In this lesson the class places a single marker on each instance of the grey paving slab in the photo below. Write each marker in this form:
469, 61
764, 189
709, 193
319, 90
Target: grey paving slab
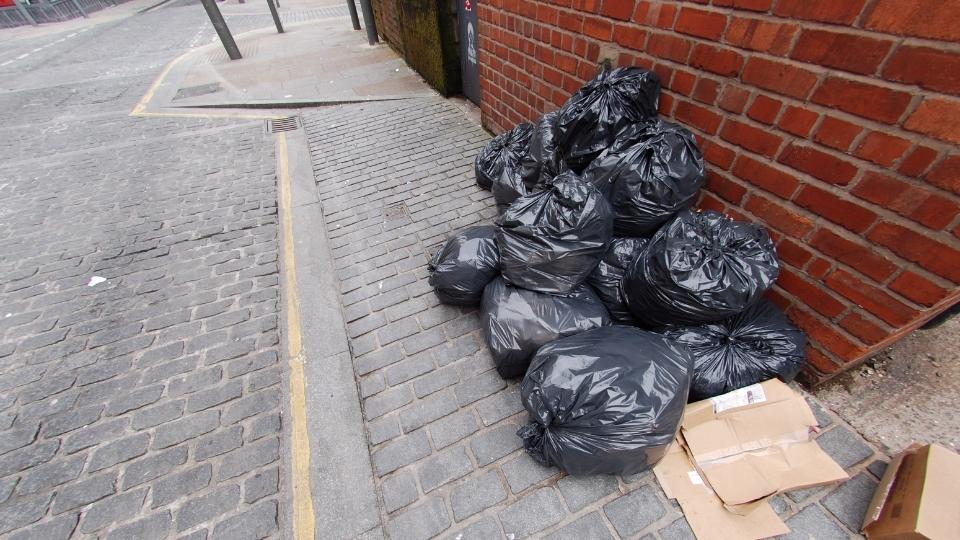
813, 522
849, 502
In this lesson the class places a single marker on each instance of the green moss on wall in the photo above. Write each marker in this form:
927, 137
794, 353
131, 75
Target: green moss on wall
429, 40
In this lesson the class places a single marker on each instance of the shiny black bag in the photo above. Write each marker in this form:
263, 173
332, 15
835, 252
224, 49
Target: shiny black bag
517, 322
537, 168
607, 401
589, 121
700, 267
550, 241
542, 163
464, 265
606, 277
652, 171
749, 348
505, 150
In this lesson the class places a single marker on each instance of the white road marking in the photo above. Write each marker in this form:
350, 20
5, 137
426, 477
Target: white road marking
38, 49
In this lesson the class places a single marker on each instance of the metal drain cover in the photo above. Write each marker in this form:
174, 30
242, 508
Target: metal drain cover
199, 90
289, 123
395, 212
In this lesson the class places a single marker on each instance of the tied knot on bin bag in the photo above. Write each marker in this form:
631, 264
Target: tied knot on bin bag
700, 267
589, 122
748, 348
504, 152
653, 170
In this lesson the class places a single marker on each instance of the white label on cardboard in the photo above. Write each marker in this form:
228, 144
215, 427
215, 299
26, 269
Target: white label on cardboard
739, 398
695, 478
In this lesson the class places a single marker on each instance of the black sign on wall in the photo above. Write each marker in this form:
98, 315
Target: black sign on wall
469, 47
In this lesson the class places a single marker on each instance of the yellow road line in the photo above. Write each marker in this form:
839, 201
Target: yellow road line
156, 84
303, 517
140, 108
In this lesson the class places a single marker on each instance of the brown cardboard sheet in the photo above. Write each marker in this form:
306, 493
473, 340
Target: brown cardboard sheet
755, 442
705, 512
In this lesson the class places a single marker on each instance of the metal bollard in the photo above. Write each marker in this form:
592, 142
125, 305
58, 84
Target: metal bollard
275, 15
369, 22
220, 25
352, 8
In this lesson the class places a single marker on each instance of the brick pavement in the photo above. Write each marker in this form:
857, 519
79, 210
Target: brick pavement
395, 178
147, 405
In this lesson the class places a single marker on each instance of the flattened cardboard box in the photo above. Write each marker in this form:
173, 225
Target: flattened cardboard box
747, 446
705, 512
756, 442
918, 497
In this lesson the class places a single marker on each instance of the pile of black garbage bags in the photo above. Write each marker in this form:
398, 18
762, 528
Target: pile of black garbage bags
601, 287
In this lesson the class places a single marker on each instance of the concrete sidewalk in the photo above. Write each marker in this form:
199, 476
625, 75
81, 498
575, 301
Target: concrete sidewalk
310, 64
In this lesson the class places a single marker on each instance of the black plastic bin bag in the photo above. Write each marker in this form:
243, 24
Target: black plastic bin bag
589, 121
606, 277
550, 241
541, 163
505, 150
749, 348
607, 401
700, 267
509, 186
537, 167
652, 171
464, 265
517, 321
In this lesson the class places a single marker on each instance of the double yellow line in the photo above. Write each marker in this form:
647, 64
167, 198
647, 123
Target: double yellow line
304, 526
303, 516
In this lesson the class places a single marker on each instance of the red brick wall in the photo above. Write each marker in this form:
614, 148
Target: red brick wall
832, 122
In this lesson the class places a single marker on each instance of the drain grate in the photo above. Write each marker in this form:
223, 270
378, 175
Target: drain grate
395, 212
289, 123
194, 91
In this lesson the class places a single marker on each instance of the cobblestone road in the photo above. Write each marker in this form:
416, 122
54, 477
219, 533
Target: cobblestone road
395, 179
145, 405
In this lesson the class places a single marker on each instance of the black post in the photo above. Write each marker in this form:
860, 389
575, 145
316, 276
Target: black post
352, 7
369, 22
276, 17
220, 25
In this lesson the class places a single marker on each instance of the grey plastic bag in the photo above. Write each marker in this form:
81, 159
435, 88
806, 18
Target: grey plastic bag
607, 276
607, 401
505, 150
590, 120
537, 167
464, 265
550, 241
652, 171
748, 348
700, 267
517, 321
542, 163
